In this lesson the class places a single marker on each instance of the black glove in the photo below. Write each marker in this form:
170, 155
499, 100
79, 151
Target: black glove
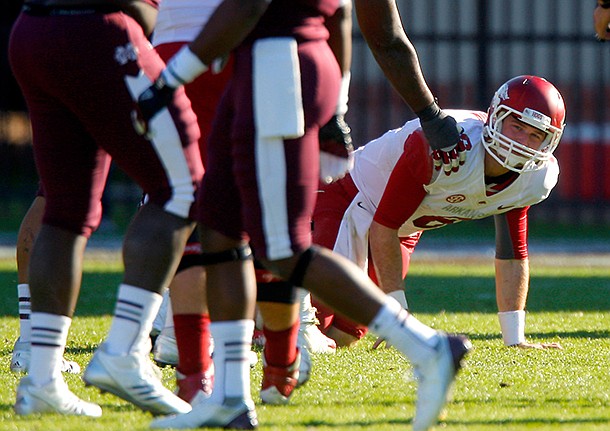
335, 149
335, 137
443, 136
154, 99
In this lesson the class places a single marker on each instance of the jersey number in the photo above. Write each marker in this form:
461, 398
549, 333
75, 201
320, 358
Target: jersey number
432, 222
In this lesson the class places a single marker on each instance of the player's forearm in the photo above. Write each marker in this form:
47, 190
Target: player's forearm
144, 12
340, 36
387, 257
228, 26
382, 28
512, 285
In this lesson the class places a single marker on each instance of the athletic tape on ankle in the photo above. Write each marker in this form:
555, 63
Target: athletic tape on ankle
512, 324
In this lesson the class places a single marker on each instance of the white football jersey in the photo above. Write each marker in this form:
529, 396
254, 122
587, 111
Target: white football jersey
182, 20
449, 198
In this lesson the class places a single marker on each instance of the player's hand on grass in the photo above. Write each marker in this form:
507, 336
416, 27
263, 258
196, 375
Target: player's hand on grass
379, 342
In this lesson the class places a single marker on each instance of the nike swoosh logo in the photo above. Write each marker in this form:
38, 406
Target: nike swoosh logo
505, 207
361, 206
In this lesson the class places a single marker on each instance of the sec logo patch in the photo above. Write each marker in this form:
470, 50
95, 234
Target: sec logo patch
454, 199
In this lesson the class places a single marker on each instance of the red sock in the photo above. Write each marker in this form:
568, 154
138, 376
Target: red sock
193, 341
281, 346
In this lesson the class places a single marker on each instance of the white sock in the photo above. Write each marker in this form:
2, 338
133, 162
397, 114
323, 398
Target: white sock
403, 331
169, 316
232, 344
49, 335
159, 321
134, 313
307, 313
25, 309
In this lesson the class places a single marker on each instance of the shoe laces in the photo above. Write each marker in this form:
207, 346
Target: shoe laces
308, 315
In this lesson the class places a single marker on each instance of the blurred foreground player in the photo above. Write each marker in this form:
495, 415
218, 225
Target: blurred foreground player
260, 189
79, 90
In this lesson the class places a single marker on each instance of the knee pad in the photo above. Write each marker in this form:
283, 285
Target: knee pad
298, 273
189, 261
278, 291
232, 255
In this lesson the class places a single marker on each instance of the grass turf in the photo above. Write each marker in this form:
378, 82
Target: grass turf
500, 389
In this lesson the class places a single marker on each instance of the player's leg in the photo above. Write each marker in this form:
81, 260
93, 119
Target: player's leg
435, 356
191, 324
55, 273
230, 284
194, 370
69, 166
28, 230
286, 365
168, 169
347, 332
256, 177
310, 337
342, 285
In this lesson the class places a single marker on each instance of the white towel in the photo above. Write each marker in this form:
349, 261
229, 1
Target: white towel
278, 104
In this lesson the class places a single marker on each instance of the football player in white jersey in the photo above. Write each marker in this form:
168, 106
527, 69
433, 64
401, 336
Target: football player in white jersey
376, 214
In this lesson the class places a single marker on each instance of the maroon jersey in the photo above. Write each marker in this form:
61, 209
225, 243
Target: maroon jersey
250, 180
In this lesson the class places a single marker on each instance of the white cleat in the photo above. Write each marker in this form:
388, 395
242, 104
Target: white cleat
20, 360
312, 339
233, 414
310, 336
54, 397
279, 383
132, 377
435, 379
165, 351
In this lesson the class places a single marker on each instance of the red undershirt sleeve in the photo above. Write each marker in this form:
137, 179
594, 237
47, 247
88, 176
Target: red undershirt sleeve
405, 191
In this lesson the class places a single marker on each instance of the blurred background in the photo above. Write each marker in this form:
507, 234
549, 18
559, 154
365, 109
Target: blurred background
467, 48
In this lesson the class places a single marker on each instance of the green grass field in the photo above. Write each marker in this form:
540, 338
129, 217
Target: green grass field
500, 389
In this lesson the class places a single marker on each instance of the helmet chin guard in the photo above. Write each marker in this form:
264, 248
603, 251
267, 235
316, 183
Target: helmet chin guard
534, 101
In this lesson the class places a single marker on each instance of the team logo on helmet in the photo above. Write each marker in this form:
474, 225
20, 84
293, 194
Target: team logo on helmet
502, 94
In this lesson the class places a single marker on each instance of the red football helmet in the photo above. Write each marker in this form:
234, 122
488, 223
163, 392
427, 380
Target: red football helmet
534, 101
